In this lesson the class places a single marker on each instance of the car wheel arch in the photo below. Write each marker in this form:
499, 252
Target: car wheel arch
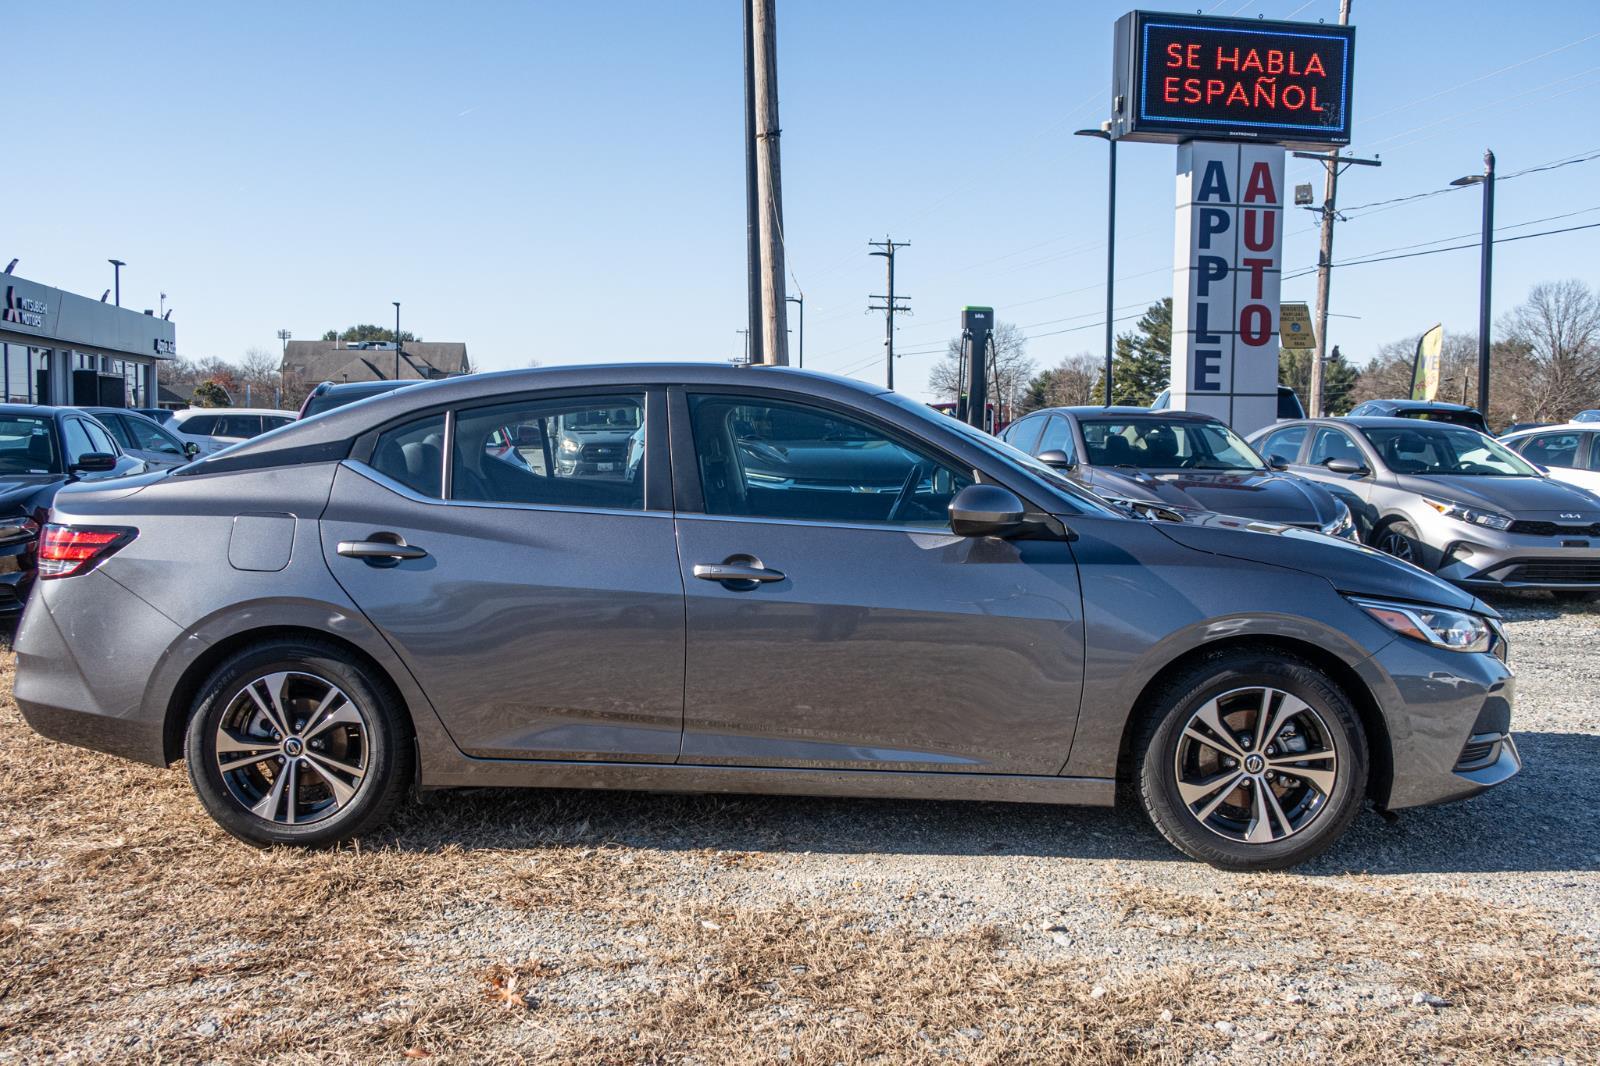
1368, 709
180, 704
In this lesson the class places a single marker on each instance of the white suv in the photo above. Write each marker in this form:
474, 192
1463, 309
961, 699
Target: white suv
215, 428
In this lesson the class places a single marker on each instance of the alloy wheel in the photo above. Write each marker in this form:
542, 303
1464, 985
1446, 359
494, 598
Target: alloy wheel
1256, 765
292, 748
1398, 545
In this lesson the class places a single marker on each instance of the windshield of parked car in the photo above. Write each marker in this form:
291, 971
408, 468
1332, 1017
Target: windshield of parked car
1087, 500
599, 418
1440, 449
1154, 444
27, 446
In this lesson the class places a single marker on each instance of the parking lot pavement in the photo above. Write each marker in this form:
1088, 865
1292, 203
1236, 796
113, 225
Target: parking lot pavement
569, 926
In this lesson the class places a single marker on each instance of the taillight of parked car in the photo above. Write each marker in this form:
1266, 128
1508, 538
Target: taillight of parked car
66, 551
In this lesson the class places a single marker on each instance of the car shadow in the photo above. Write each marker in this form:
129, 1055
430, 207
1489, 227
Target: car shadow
1529, 824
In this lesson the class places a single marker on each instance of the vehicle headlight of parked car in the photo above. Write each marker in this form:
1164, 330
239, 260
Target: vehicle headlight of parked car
1491, 519
570, 445
1341, 524
1439, 626
17, 527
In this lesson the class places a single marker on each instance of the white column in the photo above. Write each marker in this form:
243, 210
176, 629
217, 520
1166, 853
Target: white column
1227, 268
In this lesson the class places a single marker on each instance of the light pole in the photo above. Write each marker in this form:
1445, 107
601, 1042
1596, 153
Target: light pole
116, 274
397, 340
801, 300
1104, 133
1485, 274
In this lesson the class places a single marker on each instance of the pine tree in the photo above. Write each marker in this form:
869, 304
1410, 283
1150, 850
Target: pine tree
1142, 362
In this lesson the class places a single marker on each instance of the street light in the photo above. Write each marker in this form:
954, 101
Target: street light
1486, 273
397, 340
116, 281
801, 300
1104, 133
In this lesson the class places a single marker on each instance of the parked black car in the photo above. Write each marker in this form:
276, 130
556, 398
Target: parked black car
1289, 405
1453, 414
327, 396
42, 449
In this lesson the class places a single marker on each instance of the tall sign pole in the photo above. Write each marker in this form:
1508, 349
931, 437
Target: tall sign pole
752, 216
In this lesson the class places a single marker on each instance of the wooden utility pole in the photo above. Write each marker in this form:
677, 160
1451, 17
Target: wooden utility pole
769, 187
752, 217
891, 304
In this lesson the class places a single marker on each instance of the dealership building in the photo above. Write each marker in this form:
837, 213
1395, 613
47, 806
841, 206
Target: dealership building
60, 348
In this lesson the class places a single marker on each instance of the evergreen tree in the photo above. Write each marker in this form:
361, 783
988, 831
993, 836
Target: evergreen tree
1142, 361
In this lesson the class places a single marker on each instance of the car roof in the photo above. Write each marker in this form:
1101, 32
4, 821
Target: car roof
1164, 415
1420, 405
323, 437
187, 411
381, 385
39, 409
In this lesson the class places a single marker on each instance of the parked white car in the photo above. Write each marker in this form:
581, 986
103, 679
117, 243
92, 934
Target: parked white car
215, 428
1570, 453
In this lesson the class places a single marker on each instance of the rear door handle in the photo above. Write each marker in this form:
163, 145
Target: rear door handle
741, 573
380, 549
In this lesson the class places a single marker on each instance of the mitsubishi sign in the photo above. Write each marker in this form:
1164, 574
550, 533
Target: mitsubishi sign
1178, 77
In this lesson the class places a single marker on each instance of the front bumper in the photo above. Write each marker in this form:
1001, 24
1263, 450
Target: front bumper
1448, 715
1485, 559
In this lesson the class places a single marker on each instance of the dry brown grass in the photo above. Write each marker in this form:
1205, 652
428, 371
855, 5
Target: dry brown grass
509, 928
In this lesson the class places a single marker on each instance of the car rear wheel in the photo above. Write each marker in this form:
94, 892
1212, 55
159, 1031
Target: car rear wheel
295, 742
1400, 540
1252, 760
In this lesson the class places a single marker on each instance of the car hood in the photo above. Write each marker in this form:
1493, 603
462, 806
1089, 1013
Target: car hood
1520, 497
1262, 494
1349, 567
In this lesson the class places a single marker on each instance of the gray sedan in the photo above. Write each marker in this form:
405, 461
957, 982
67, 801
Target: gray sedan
795, 584
1174, 459
1450, 500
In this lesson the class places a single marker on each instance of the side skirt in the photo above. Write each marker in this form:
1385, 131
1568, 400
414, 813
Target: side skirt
782, 781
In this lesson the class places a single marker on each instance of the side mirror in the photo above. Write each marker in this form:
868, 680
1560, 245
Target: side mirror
1277, 462
1345, 466
191, 449
985, 511
1056, 458
94, 463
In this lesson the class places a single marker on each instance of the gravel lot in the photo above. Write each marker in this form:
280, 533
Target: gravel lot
593, 927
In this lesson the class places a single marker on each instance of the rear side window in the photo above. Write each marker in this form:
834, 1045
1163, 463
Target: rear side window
119, 429
413, 455
1552, 449
1333, 444
200, 425
569, 452
1283, 444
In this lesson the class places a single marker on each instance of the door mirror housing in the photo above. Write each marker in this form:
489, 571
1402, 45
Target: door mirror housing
1277, 462
1057, 458
94, 463
191, 449
986, 511
1346, 466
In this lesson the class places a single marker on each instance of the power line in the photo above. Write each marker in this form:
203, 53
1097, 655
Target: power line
1452, 248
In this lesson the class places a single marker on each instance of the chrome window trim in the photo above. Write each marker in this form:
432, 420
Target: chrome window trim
414, 496
943, 531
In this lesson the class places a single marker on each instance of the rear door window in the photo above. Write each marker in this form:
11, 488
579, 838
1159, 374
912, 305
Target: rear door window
570, 452
119, 429
1553, 449
199, 425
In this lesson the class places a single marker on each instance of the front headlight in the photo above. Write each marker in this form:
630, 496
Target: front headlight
571, 446
1342, 524
1439, 626
1492, 519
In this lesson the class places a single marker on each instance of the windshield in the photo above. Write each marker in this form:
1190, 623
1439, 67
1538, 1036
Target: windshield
27, 446
1441, 449
997, 447
1150, 444
1470, 419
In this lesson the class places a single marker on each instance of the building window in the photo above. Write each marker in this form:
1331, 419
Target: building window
22, 364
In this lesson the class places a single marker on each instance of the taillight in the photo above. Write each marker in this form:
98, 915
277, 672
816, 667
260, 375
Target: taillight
66, 551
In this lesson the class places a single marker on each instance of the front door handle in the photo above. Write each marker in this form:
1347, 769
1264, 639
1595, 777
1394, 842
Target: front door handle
740, 573
380, 549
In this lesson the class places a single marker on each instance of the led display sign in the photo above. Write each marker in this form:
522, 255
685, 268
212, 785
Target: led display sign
1183, 77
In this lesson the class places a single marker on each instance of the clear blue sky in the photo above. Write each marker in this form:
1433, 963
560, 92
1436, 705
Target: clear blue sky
564, 182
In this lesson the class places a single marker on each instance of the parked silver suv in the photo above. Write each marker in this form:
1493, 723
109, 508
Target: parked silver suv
1450, 500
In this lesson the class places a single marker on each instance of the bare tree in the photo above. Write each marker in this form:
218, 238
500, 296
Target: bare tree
259, 375
1551, 368
1009, 370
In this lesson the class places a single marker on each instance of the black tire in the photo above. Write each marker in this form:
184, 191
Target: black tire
1575, 596
377, 740
1333, 727
1399, 539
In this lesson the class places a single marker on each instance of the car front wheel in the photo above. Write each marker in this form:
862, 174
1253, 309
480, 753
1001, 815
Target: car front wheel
1252, 760
296, 742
